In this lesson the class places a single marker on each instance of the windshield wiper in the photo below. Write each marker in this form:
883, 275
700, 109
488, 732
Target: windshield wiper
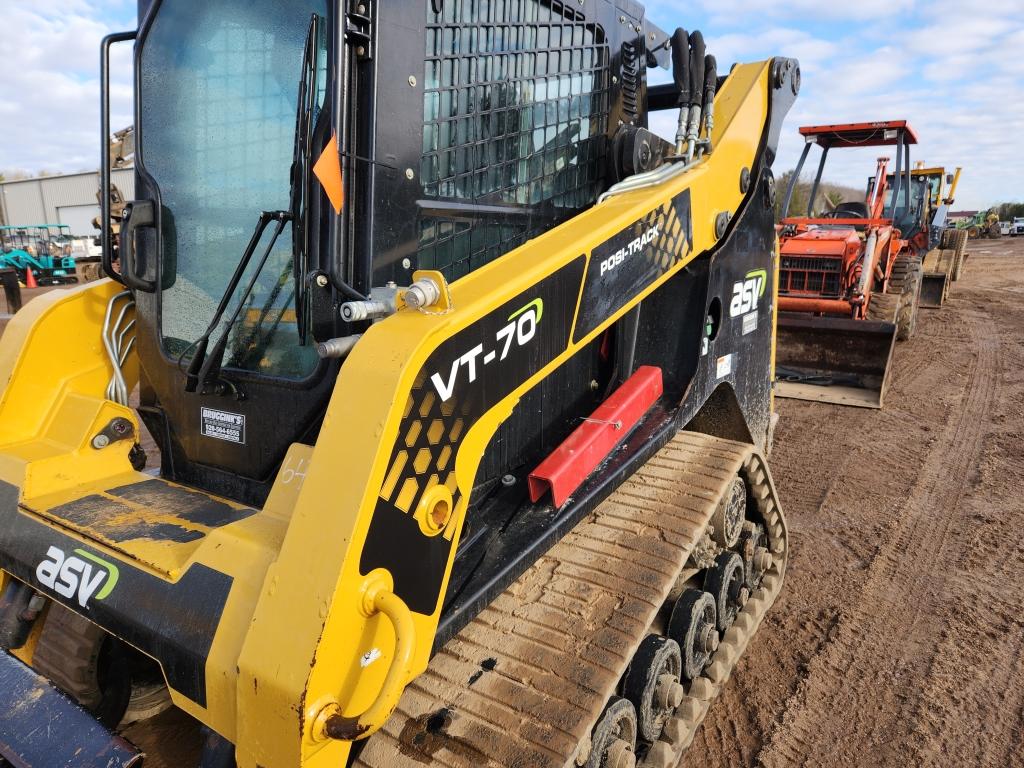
301, 161
205, 368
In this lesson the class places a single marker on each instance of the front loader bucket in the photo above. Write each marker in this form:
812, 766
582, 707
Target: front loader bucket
833, 359
933, 289
40, 727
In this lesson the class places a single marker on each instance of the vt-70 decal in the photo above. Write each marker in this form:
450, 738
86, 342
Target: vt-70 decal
521, 329
466, 376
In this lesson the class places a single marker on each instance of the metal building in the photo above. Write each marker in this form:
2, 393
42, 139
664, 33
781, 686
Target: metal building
69, 199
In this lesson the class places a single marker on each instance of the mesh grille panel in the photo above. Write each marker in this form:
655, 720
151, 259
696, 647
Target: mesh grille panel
809, 274
515, 116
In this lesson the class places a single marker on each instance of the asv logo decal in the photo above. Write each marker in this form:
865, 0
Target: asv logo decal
521, 328
746, 292
79, 577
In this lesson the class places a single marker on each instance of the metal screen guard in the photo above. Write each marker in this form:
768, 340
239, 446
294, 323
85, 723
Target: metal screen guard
497, 119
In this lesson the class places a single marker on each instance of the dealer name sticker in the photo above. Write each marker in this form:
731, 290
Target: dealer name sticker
223, 425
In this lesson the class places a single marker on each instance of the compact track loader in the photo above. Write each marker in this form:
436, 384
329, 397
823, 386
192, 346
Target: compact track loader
459, 387
850, 280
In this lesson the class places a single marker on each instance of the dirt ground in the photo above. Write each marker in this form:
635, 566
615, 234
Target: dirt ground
898, 636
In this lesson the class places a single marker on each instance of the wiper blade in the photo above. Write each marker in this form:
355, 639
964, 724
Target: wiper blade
300, 178
203, 368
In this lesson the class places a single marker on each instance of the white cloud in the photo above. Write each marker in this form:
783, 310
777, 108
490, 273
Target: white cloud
50, 87
954, 71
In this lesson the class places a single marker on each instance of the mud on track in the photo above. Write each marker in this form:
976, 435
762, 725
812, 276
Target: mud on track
897, 639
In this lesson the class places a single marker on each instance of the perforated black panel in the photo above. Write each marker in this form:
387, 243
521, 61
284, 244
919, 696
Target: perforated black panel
515, 118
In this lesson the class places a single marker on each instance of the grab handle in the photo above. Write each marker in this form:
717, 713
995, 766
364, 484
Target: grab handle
330, 722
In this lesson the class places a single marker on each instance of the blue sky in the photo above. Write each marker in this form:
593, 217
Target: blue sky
954, 69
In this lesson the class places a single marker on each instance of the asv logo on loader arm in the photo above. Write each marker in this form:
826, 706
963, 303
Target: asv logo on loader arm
521, 328
746, 292
77, 576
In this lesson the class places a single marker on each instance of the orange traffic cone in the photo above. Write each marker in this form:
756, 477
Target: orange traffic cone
30, 279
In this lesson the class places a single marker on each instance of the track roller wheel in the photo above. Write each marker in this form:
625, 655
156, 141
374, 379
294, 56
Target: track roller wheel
727, 521
757, 558
613, 741
652, 683
725, 582
694, 627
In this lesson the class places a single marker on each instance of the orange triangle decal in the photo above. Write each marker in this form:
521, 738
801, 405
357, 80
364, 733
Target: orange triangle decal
328, 171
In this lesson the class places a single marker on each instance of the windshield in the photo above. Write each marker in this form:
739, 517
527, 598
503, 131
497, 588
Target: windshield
218, 102
918, 193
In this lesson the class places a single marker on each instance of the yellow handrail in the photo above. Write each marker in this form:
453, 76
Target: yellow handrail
330, 722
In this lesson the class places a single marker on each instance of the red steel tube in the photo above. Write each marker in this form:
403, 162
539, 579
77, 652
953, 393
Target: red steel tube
825, 306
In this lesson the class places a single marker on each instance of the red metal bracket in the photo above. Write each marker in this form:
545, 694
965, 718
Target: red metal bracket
570, 463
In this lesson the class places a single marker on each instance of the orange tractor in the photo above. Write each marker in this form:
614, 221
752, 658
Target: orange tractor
850, 278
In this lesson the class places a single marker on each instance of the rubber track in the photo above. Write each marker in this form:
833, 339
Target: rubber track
67, 653
524, 683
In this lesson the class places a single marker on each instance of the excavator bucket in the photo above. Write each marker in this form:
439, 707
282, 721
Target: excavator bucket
833, 359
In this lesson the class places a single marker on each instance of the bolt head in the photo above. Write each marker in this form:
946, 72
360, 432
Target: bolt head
508, 480
100, 441
321, 280
412, 80
669, 693
406, 263
410, 174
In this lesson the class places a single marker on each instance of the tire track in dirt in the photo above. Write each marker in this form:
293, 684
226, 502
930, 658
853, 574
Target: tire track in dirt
887, 635
980, 645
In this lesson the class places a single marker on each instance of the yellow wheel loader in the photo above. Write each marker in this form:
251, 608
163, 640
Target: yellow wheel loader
425, 419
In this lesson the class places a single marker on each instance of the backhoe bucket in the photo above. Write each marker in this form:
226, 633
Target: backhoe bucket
833, 359
933, 289
40, 727
938, 271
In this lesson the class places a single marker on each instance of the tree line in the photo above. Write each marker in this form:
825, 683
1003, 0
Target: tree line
829, 196
1008, 211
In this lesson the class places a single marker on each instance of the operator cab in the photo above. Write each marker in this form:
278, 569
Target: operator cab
293, 158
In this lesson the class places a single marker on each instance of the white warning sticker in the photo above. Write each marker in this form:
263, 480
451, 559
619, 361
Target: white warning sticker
223, 425
750, 322
724, 365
